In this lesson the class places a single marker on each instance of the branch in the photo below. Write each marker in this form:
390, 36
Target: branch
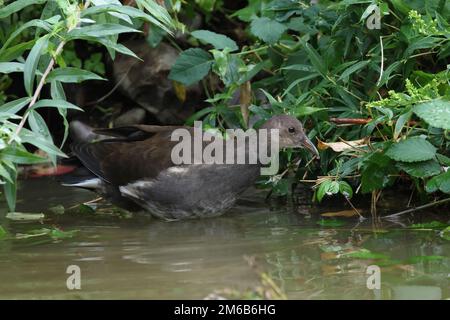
361, 121
425, 206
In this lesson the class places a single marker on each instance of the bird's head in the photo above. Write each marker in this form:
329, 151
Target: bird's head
290, 132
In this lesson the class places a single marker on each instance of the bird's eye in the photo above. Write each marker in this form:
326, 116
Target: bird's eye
291, 130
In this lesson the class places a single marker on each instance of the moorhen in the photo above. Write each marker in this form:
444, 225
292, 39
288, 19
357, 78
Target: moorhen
132, 167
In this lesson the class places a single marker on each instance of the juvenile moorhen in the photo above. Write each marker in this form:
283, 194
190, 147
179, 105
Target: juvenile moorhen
132, 167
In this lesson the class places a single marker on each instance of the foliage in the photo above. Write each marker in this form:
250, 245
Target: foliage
34, 37
320, 62
387, 87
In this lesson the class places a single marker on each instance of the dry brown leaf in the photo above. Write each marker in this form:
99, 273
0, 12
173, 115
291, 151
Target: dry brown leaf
343, 213
341, 146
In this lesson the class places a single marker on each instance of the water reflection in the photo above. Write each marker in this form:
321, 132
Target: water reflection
144, 259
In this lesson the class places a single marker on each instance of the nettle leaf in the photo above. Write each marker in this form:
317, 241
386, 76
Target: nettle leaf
436, 113
219, 41
267, 30
420, 169
377, 169
440, 182
413, 149
72, 75
191, 66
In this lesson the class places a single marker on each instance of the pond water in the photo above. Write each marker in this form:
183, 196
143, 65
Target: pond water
254, 249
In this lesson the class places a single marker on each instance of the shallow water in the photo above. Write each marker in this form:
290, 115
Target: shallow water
139, 258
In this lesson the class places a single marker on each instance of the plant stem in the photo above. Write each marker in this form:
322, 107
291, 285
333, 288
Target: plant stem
425, 206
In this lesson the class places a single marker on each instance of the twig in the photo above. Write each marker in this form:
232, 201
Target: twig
361, 121
361, 218
382, 61
425, 206
350, 120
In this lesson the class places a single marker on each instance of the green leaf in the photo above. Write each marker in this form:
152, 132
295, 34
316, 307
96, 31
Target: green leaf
428, 225
10, 189
364, 254
15, 106
316, 60
191, 66
445, 234
400, 123
436, 113
413, 149
9, 67
40, 142
32, 62
3, 233
57, 103
5, 174
38, 125
219, 41
306, 111
100, 30
267, 30
17, 5
37, 23
72, 75
345, 189
445, 161
322, 190
161, 19
376, 171
60, 234
20, 156
422, 169
16, 51
57, 92
110, 45
354, 68
440, 182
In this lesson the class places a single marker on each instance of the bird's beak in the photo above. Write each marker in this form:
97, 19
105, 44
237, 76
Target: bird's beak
311, 147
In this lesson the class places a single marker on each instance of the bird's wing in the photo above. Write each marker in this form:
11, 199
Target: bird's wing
120, 161
135, 132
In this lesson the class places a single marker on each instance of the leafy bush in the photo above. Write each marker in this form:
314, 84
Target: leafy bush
388, 86
34, 46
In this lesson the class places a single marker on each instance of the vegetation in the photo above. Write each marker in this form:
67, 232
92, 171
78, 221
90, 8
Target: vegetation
377, 101
60, 22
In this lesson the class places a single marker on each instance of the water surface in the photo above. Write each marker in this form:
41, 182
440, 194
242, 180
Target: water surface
140, 258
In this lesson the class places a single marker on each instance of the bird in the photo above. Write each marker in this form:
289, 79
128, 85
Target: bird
133, 168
